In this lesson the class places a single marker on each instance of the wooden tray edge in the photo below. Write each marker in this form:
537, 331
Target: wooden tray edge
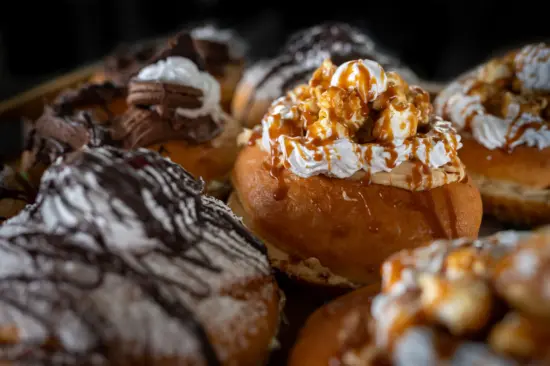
52, 86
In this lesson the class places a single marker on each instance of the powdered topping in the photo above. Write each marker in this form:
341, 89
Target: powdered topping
357, 120
117, 257
504, 103
465, 302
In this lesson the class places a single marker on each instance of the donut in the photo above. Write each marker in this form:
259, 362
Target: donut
174, 109
122, 261
456, 302
502, 110
348, 169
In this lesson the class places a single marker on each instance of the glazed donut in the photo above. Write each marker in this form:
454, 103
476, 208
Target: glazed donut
458, 302
175, 110
347, 170
502, 111
122, 261
304, 52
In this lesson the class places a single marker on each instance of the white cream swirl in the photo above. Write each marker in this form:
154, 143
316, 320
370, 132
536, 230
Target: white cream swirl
369, 91
327, 147
465, 108
343, 158
182, 71
533, 67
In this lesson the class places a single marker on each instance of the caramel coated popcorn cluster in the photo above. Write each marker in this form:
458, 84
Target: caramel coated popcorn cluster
456, 301
354, 101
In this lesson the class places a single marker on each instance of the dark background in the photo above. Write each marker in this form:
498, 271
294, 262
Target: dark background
438, 39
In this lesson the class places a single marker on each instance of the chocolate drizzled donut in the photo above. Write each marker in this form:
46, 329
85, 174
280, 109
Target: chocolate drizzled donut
117, 260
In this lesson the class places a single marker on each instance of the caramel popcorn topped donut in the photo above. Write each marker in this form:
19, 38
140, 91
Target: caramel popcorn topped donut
464, 302
358, 121
505, 102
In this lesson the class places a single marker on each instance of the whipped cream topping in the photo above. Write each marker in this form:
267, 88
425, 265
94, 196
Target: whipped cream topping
182, 71
533, 67
318, 129
517, 84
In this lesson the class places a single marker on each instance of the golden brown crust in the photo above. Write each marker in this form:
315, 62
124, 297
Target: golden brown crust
350, 227
318, 341
247, 339
527, 166
211, 161
248, 108
514, 208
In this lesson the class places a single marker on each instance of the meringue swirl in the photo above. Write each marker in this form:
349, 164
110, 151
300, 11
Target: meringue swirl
355, 121
503, 103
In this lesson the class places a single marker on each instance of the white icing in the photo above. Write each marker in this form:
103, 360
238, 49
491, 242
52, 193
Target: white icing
133, 320
533, 67
455, 103
182, 71
402, 123
359, 69
343, 158
526, 262
416, 348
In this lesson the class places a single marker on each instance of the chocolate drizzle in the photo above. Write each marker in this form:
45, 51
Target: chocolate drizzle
111, 226
305, 51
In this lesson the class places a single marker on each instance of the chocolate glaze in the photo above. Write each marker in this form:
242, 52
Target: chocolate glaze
72, 229
305, 51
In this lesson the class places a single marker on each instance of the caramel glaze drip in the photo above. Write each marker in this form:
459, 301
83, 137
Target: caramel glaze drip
256, 135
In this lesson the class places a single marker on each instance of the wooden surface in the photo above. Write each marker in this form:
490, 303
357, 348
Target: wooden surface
31, 103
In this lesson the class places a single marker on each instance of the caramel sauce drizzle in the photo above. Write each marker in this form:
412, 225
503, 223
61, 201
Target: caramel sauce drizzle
327, 109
